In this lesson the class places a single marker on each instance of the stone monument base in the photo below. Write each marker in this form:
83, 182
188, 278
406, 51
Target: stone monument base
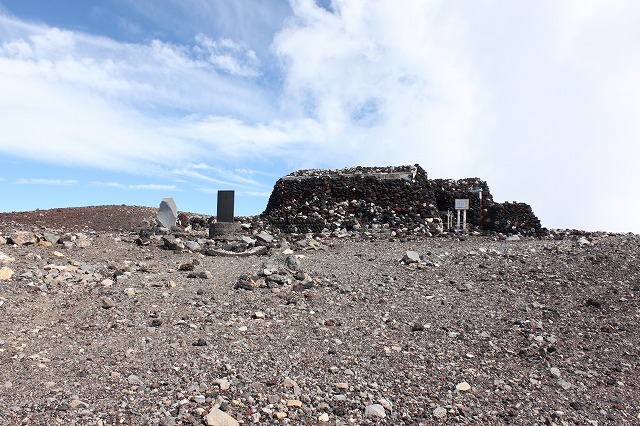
224, 230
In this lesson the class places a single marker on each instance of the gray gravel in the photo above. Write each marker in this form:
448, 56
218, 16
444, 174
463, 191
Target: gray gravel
478, 331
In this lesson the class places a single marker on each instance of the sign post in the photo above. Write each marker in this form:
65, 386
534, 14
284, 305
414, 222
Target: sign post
461, 204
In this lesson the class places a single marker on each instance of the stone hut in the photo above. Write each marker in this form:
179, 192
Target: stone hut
399, 198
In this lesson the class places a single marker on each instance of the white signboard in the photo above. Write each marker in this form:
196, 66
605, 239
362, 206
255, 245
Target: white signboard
462, 204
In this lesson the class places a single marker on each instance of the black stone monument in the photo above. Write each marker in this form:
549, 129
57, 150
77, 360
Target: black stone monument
225, 206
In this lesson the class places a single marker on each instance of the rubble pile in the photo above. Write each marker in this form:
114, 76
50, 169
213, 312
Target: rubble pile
48, 239
399, 199
278, 271
254, 238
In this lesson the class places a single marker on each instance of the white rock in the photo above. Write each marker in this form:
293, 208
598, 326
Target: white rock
411, 257
385, 403
464, 386
582, 241
83, 243
218, 417
77, 404
290, 383
224, 384
440, 413
5, 273
375, 410
106, 283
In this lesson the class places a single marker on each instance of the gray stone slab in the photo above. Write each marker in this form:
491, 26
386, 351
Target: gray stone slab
167, 213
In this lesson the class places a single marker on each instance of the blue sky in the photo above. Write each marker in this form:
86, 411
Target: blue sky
126, 102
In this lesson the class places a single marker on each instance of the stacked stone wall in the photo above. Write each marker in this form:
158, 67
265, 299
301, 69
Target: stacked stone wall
351, 199
401, 198
513, 218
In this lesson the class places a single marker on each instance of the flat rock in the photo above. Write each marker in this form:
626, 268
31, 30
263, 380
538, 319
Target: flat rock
172, 243
51, 237
23, 237
224, 384
375, 410
256, 251
411, 257
264, 237
192, 245
248, 240
563, 384
217, 417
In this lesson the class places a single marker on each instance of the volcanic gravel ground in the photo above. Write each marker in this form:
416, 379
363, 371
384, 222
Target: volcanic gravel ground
483, 332
96, 218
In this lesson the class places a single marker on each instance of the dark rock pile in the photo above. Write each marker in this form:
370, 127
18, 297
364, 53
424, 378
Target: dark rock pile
400, 199
355, 199
512, 218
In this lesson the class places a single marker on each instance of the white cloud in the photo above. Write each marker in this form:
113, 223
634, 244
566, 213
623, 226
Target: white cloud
227, 55
384, 83
110, 184
556, 83
221, 175
76, 99
151, 187
52, 182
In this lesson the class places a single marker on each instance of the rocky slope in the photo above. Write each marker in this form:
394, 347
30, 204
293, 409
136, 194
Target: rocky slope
96, 329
